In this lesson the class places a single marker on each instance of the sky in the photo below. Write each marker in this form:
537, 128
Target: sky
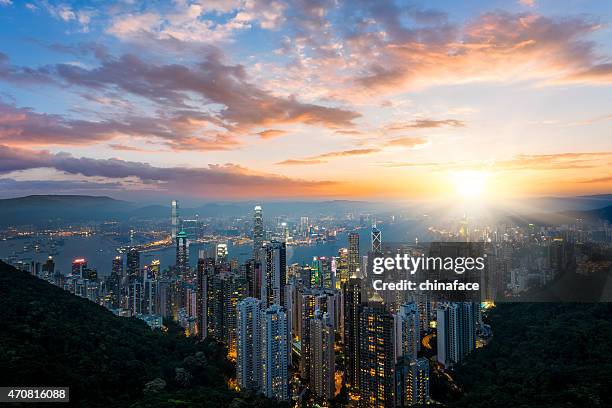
309, 99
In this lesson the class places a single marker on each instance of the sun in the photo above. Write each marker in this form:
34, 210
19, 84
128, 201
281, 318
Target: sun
469, 184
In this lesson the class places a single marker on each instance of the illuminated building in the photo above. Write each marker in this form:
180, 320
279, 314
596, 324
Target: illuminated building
175, 219
407, 332
248, 348
78, 267
353, 254
274, 344
307, 303
416, 388
258, 231
376, 240
323, 273
133, 263
221, 253
376, 362
274, 273
114, 281
342, 271
322, 358
48, 269
206, 269
182, 254
352, 303
456, 326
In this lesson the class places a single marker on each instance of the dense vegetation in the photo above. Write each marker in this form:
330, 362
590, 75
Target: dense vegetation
52, 338
542, 355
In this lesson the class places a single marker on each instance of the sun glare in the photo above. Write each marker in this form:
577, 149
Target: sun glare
469, 183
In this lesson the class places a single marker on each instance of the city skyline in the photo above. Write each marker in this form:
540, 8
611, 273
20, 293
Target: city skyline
261, 100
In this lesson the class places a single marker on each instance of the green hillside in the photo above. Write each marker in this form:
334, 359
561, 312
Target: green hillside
52, 338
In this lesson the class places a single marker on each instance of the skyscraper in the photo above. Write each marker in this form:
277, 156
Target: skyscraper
322, 359
352, 303
206, 267
307, 303
377, 366
133, 263
248, 357
416, 385
456, 326
258, 231
221, 253
115, 280
274, 375
182, 253
353, 255
274, 273
175, 219
79, 265
376, 240
407, 332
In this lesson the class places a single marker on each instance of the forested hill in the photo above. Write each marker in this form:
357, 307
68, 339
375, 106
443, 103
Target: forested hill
542, 355
52, 338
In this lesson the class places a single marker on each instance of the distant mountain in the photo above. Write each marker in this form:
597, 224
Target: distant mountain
41, 209
50, 337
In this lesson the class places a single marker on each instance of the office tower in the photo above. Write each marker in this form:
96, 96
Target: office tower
416, 383
149, 292
274, 343
377, 366
248, 348
206, 269
353, 255
258, 231
274, 273
135, 298
252, 273
48, 269
133, 263
182, 254
342, 271
234, 290
304, 226
323, 273
456, 326
352, 303
154, 268
323, 358
376, 240
221, 253
407, 332
114, 282
307, 303
78, 267
164, 299
175, 219
329, 301
215, 307
423, 303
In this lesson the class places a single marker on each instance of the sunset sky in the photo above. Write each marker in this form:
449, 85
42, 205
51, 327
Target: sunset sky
306, 99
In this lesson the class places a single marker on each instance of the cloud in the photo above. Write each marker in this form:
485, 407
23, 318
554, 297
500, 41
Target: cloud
527, 3
426, 124
322, 158
211, 83
197, 21
271, 133
5, 2
403, 142
228, 180
407, 142
183, 131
